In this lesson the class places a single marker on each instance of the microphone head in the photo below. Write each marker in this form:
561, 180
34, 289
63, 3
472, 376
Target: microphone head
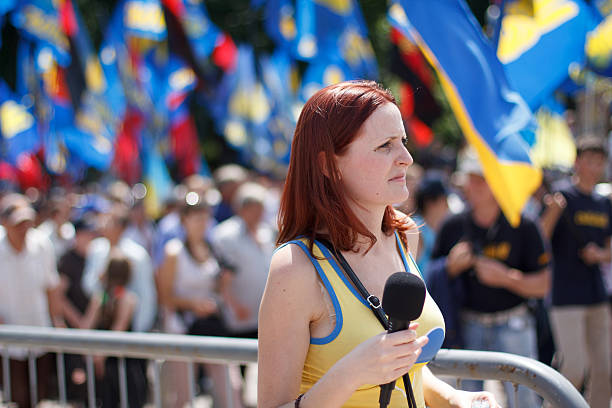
404, 296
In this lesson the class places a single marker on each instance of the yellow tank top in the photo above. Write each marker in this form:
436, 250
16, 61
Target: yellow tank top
356, 323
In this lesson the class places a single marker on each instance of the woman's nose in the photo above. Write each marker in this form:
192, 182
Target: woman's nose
405, 158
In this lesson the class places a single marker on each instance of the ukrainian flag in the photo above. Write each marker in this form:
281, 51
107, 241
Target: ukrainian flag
494, 118
598, 45
539, 41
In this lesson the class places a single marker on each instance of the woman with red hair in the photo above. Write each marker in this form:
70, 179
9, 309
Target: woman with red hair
320, 345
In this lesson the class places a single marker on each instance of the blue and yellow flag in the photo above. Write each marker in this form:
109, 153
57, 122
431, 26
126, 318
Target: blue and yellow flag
555, 147
539, 41
599, 43
280, 23
17, 127
603, 6
341, 32
248, 110
322, 72
494, 118
38, 20
201, 33
156, 178
278, 73
144, 19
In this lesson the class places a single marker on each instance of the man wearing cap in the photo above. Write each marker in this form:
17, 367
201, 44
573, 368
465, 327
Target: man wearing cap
244, 245
29, 289
577, 222
227, 180
497, 268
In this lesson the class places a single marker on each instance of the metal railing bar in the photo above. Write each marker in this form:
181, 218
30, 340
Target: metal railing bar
33, 378
91, 381
191, 384
157, 383
122, 383
144, 345
61, 378
229, 395
6, 376
540, 378
484, 365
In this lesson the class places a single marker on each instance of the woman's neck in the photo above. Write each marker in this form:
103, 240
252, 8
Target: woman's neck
372, 219
197, 248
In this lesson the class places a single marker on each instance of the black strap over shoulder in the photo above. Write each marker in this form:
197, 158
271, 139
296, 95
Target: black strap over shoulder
376, 308
372, 300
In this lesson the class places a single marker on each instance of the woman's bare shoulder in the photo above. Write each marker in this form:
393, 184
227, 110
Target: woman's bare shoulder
291, 265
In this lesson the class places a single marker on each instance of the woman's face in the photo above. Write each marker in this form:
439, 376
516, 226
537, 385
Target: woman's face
195, 223
373, 168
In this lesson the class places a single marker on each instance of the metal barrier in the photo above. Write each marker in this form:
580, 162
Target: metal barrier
545, 381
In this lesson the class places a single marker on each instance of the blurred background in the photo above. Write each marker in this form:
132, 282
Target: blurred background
153, 91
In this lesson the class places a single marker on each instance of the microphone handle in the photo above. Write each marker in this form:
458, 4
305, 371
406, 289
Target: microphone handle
387, 389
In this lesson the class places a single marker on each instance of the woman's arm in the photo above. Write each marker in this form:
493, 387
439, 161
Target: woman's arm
289, 305
225, 282
286, 310
439, 394
125, 311
92, 313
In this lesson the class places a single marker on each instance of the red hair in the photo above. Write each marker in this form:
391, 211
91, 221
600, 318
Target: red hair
314, 197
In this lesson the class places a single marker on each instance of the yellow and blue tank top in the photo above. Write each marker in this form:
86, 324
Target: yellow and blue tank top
356, 323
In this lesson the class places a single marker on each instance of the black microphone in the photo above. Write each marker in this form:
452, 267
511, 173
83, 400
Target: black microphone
403, 300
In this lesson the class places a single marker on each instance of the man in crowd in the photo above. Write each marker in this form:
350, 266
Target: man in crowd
30, 291
70, 267
244, 245
494, 268
58, 227
227, 180
112, 226
577, 221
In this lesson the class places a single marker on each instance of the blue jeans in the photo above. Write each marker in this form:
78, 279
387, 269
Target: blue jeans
516, 335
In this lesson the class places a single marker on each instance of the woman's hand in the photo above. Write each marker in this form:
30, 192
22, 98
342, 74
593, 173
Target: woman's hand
465, 399
203, 307
384, 357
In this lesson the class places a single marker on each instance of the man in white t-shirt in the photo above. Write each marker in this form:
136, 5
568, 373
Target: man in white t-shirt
244, 245
29, 289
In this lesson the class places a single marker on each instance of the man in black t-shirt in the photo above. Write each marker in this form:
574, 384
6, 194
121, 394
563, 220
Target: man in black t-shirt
70, 267
498, 268
577, 221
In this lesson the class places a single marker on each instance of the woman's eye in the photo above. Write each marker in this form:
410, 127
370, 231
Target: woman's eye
385, 145
405, 142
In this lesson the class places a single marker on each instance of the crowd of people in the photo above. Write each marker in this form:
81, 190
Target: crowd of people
93, 258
